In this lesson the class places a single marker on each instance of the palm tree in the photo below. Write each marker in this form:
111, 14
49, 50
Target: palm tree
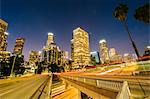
142, 13
120, 13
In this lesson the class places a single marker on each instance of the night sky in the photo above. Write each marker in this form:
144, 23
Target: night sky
33, 19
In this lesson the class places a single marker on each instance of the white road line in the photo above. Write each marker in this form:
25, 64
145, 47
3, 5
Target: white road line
6, 92
103, 73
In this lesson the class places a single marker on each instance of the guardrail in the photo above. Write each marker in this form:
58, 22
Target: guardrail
101, 83
50, 87
115, 86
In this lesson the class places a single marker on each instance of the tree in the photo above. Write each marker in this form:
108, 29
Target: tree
120, 13
70, 64
54, 68
61, 69
142, 13
39, 69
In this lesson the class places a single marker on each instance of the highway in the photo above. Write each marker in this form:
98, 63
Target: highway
31, 88
139, 85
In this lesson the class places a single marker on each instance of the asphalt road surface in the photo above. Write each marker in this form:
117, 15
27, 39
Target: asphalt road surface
32, 88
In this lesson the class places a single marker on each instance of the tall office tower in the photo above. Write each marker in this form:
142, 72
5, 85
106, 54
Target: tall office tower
65, 58
61, 59
114, 56
66, 55
95, 56
81, 53
19, 44
127, 57
51, 52
3, 35
4, 55
50, 39
147, 51
103, 51
34, 57
112, 52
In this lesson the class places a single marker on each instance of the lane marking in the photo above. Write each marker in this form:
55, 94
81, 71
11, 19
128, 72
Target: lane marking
108, 71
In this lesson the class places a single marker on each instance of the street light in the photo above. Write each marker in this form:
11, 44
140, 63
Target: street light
11, 74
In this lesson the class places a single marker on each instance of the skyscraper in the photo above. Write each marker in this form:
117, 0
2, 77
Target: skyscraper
66, 55
66, 58
51, 52
50, 39
147, 51
4, 55
104, 56
19, 44
127, 57
80, 50
34, 57
3, 35
114, 57
112, 52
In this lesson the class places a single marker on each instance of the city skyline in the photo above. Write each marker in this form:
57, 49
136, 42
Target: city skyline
89, 16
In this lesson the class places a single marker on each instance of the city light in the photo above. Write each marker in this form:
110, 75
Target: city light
6, 33
40, 52
148, 47
54, 56
50, 33
102, 41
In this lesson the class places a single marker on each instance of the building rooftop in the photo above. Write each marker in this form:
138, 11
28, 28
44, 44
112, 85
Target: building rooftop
148, 47
6, 33
50, 33
102, 41
79, 28
2, 21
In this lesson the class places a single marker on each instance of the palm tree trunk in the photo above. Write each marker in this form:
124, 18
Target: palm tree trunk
133, 44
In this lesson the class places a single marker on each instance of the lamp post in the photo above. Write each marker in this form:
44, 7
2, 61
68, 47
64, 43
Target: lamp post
11, 74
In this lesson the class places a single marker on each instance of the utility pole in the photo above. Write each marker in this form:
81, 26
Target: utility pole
11, 74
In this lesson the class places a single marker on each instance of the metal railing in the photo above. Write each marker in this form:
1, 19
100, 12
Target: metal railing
112, 85
101, 83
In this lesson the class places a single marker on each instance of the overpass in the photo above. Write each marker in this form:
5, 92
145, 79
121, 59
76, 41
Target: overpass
96, 87
110, 87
